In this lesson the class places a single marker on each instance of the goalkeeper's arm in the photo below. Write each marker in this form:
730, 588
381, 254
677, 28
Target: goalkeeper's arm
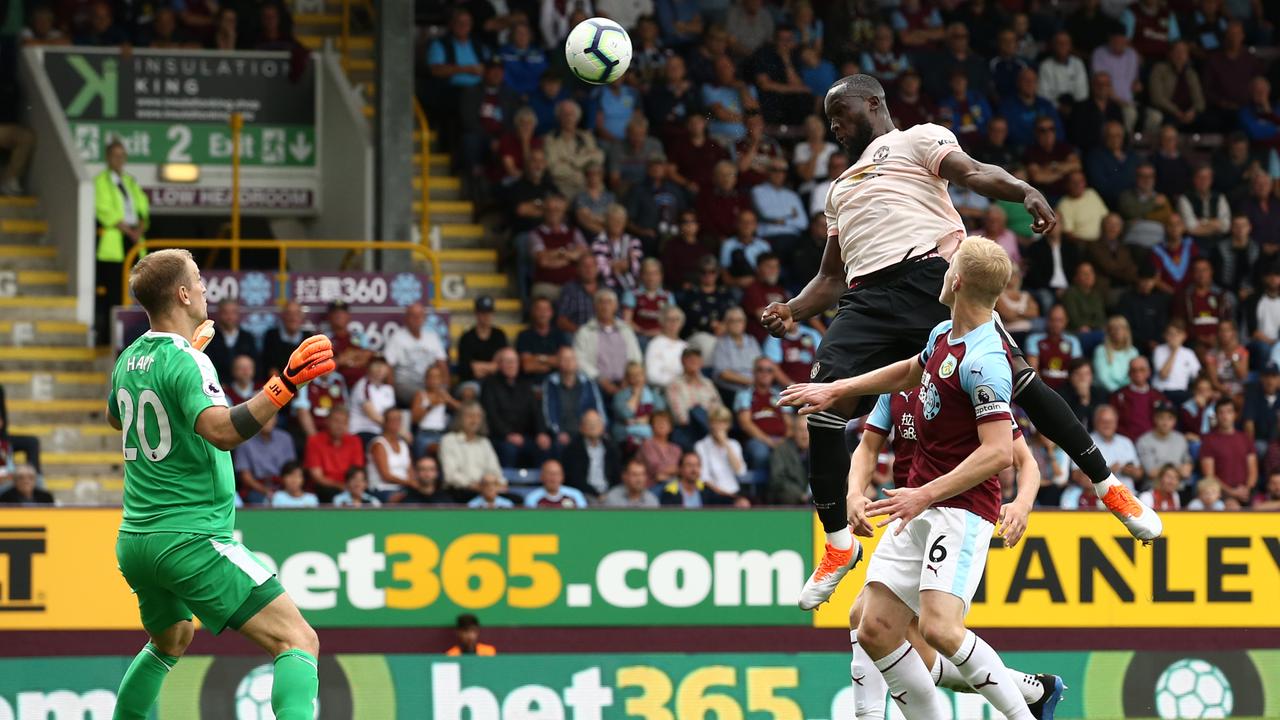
226, 428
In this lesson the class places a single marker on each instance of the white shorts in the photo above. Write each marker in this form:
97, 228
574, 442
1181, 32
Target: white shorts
943, 549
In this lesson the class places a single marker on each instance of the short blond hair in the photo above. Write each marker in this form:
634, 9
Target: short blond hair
984, 267
156, 277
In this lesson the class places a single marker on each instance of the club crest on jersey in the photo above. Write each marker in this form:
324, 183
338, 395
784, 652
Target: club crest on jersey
948, 367
882, 153
813, 372
931, 401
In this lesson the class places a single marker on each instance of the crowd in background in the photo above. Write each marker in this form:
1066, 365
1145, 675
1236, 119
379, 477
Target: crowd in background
650, 222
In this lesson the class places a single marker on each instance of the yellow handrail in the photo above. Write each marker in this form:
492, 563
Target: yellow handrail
424, 130
282, 248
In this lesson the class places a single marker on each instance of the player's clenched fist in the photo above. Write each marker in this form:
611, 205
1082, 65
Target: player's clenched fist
202, 336
313, 358
777, 319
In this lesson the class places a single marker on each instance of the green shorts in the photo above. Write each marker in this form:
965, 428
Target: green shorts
177, 574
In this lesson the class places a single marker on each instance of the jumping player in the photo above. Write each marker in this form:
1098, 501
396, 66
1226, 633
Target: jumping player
893, 421
928, 565
175, 547
891, 228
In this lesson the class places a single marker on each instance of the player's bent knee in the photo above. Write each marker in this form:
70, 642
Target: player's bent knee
942, 635
175, 639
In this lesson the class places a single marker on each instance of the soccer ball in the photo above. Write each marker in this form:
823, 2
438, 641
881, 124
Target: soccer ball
1193, 688
598, 51
253, 695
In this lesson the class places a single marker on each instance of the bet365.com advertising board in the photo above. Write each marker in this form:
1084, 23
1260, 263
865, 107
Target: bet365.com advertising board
415, 568
805, 686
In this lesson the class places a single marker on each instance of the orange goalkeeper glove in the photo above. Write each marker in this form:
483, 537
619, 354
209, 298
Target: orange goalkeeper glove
204, 333
313, 358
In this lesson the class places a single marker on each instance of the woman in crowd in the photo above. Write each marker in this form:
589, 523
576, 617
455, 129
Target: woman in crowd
1111, 358
371, 398
389, 460
633, 409
433, 406
660, 456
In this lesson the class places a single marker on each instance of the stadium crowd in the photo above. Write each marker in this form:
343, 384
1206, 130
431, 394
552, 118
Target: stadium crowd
650, 222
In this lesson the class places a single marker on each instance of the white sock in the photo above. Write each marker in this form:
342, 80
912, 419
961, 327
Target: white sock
868, 684
911, 687
986, 673
841, 539
946, 675
1101, 488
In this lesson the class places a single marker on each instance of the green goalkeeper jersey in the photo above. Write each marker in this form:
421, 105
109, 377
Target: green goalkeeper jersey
174, 480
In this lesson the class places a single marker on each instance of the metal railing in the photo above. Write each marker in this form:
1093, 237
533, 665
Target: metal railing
282, 248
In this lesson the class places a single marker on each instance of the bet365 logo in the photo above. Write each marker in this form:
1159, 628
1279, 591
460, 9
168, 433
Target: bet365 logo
18, 548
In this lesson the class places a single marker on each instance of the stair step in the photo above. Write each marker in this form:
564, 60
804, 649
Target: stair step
450, 207
86, 405
19, 377
316, 42
502, 305
43, 332
51, 359
433, 158
461, 230
82, 458
438, 182
19, 201
358, 65
45, 301
72, 437
468, 255
70, 483
42, 277
28, 251
317, 19
21, 385
23, 226
432, 134
486, 281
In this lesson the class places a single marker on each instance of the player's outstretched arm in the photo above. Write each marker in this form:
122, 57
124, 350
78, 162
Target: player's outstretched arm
994, 182
816, 397
821, 293
862, 467
225, 428
993, 455
1013, 515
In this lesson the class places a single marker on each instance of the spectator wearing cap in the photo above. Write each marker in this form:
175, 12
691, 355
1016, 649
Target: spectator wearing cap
642, 308
1115, 446
1236, 261
1144, 209
514, 415
1112, 356
784, 97
617, 252
1081, 210
719, 209
467, 630
911, 106
968, 109
230, 341
1175, 88
553, 493
478, 345
576, 303
258, 462
1052, 351
696, 157
734, 355
24, 491
1006, 65
1201, 306
727, 99
1109, 255
1229, 455
755, 152
570, 150
662, 355
1263, 210
782, 216
566, 394
1226, 76
672, 100
1136, 401
466, 455
628, 158
691, 396
1024, 110
540, 343
617, 105
523, 61
1163, 445
592, 461
738, 254
1049, 159
411, 350
556, 248
654, 205
1261, 405
633, 492
605, 345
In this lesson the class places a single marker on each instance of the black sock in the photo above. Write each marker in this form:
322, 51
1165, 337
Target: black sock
828, 470
1053, 418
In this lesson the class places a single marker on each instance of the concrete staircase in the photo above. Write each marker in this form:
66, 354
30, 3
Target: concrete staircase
467, 248
56, 384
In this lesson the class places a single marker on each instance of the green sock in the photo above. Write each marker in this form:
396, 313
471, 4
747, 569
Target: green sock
293, 694
141, 684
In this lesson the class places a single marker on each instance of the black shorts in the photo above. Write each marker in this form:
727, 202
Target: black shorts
884, 321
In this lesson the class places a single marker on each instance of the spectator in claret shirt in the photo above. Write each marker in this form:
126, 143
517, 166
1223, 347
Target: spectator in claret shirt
1202, 306
1136, 402
242, 387
1049, 159
634, 407
1227, 363
719, 208
696, 157
881, 60
910, 105
553, 493
1052, 351
682, 254
755, 152
617, 252
764, 424
764, 289
1226, 75
1228, 454
1173, 258
642, 308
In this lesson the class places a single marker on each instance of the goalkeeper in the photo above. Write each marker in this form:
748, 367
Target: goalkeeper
175, 547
